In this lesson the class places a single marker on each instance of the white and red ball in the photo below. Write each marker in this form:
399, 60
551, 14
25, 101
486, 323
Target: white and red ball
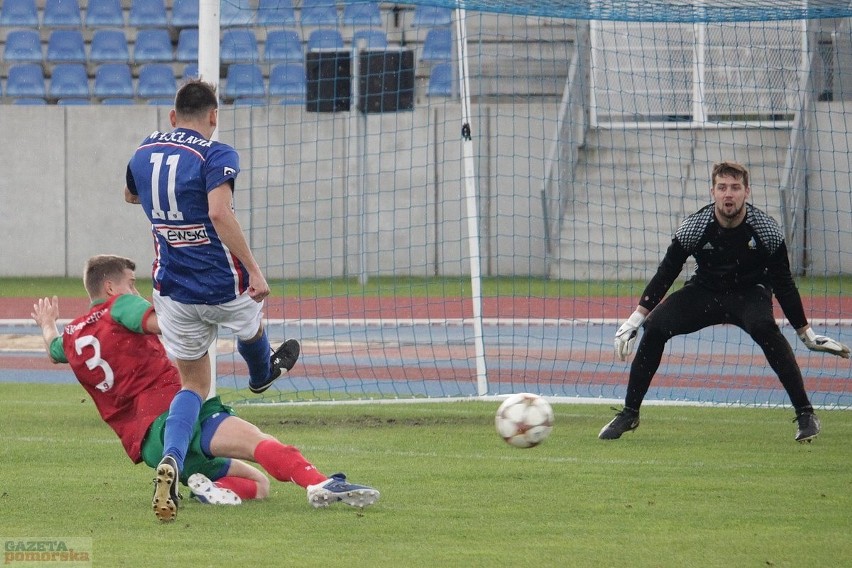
524, 420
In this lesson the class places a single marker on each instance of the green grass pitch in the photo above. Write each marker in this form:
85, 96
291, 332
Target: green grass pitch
691, 487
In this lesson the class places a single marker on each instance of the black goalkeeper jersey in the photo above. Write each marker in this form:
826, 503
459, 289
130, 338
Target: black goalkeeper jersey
728, 260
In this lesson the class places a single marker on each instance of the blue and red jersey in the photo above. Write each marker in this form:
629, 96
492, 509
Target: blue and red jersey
172, 173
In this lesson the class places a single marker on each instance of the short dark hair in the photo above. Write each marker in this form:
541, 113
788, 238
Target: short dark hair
731, 169
195, 98
101, 268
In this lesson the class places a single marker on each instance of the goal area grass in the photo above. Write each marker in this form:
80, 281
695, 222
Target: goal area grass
692, 486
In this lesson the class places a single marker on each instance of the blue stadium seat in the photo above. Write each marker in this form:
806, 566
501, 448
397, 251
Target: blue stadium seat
319, 13
23, 46
440, 81
236, 13
25, 80
113, 80
276, 13
118, 101
152, 45
431, 16
187, 47
438, 45
367, 14
244, 80
19, 13
156, 80
185, 14
325, 38
61, 14
109, 46
190, 71
69, 80
104, 13
72, 102
283, 46
238, 45
148, 14
66, 46
29, 101
370, 39
162, 101
288, 80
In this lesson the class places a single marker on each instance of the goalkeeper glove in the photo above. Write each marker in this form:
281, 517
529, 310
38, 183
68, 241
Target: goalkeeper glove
816, 342
625, 337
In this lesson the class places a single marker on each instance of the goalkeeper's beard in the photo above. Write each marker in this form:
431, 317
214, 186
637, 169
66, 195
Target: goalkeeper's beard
736, 212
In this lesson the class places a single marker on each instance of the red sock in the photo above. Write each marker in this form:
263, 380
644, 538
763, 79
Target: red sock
245, 488
286, 463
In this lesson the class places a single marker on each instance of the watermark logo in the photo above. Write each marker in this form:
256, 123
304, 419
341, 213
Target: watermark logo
47, 551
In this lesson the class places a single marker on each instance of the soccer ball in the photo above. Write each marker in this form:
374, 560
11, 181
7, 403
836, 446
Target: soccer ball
524, 420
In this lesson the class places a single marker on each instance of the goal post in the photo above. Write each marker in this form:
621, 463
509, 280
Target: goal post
471, 208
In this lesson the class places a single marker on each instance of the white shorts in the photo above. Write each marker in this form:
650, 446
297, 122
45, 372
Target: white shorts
189, 330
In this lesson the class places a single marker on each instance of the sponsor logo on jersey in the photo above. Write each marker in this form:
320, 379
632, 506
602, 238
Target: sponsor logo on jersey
183, 235
752, 244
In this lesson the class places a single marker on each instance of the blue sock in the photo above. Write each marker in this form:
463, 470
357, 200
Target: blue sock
183, 414
257, 354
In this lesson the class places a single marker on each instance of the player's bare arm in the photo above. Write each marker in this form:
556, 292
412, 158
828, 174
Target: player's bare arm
231, 233
45, 313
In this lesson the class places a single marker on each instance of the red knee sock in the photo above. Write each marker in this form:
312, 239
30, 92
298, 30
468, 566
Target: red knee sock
245, 488
286, 463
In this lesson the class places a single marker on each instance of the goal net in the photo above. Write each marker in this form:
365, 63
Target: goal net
468, 202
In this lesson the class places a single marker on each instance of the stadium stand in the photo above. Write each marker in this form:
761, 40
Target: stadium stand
319, 13
367, 15
61, 14
69, 80
431, 16
26, 80
190, 71
244, 80
441, 81
118, 101
276, 13
23, 46
72, 102
113, 80
185, 13
325, 38
152, 45
236, 13
238, 45
187, 46
370, 39
104, 13
66, 46
148, 14
156, 80
19, 13
287, 80
438, 45
29, 101
162, 102
109, 46
283, 46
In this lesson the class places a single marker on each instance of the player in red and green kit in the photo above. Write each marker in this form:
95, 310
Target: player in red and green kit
117, 357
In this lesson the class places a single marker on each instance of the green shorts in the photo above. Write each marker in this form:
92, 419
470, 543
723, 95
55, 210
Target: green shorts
196, 460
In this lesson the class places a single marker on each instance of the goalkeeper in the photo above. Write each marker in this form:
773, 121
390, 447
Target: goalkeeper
741, 260
117, 357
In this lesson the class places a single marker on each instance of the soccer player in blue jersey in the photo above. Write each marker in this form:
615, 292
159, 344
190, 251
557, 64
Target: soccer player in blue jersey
741, 261
204, 273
